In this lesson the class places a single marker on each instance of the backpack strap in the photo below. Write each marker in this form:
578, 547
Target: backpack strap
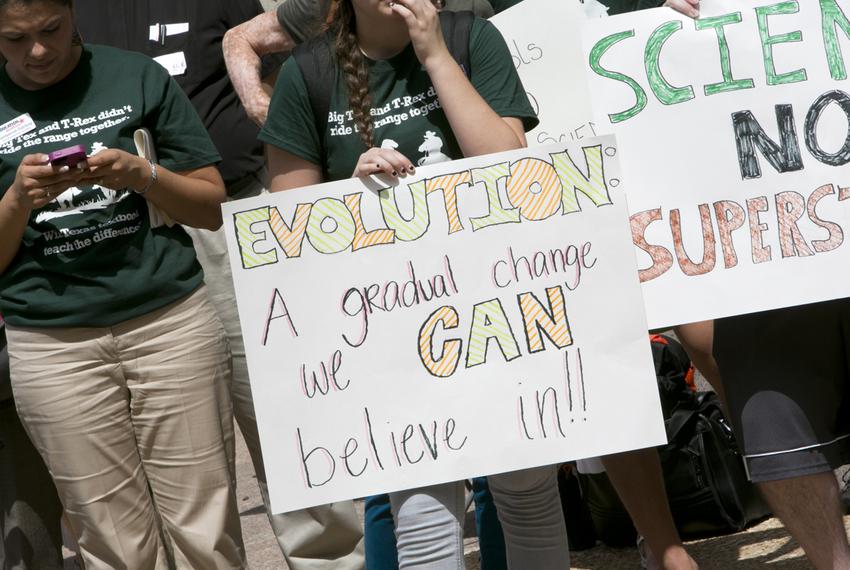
456, 28
317, 65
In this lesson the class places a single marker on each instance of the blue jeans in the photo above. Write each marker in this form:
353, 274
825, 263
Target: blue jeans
491, 539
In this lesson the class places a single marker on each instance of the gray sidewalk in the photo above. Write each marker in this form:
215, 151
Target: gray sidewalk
765, 544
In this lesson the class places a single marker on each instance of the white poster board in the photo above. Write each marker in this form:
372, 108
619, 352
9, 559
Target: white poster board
541, 36
482, 316
734, 138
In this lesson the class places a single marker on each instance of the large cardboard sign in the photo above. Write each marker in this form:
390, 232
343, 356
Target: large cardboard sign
544, 38
734, 138
483, 316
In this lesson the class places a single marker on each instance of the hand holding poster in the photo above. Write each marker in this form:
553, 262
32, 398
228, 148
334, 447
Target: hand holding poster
482, 316
734, 132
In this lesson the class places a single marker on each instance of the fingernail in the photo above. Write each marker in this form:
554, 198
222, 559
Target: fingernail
64, 169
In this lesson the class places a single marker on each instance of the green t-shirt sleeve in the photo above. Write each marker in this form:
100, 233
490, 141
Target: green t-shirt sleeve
493, 74
290, 125
302, 19
179, 136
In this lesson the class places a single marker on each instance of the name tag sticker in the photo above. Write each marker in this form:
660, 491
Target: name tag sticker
174, 63
15, 128
158, 32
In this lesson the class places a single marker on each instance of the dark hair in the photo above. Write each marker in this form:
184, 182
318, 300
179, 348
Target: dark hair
342, 24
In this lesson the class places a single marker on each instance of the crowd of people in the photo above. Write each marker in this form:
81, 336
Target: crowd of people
126, 365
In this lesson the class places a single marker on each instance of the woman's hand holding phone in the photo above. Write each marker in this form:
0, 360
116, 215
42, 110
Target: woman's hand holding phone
117, 169
38, 182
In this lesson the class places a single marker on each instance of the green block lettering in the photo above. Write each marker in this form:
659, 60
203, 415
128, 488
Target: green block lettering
497, 213
243, 222
832, 17
665, 92
768, 41
489, 321
574, 180
415, 227
718, 23
596, 54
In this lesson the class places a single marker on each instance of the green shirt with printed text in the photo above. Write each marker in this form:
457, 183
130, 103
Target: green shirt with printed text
90, 258
406, 113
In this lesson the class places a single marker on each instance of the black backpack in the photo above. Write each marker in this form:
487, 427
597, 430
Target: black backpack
317, 65
703, 469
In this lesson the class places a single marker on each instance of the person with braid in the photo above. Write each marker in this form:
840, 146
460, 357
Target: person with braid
392, 63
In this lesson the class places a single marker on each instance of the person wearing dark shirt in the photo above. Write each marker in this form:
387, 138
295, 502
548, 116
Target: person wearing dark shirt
185, 38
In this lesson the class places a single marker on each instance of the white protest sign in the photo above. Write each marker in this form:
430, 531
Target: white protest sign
542, 35
483, 316
734, 138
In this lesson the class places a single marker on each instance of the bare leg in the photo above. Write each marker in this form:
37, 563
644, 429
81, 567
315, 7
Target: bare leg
810, 509
698, 340
636, 475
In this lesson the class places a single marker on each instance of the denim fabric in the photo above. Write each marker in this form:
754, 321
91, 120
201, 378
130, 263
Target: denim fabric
491, 540
381, 551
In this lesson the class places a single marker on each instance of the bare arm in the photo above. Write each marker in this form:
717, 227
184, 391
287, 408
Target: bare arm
13, 221
243, 46
476, 126
288, 171
36, 184
193, 197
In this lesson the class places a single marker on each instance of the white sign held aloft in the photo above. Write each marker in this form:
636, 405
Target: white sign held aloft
482, 316
734, 138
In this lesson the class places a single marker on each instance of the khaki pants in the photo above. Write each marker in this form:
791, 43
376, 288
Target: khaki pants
134, 424
329, 537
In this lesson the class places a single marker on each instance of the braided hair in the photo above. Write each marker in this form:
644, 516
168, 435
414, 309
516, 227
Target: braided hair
342, 24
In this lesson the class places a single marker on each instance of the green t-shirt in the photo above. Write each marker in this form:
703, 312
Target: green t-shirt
406, 113
90, 257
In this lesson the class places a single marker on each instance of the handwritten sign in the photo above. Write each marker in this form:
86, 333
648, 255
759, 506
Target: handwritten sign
483, 316
544, 38
734, 137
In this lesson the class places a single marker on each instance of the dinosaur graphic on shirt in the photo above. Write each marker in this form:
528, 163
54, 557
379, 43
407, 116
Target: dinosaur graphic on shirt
432, 146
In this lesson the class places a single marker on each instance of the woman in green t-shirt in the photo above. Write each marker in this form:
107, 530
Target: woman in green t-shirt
400, 100
119, 366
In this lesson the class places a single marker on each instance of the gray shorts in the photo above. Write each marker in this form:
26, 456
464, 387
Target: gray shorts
786, 374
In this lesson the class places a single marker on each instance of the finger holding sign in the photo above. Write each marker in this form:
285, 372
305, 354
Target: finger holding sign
382, 161
687, 7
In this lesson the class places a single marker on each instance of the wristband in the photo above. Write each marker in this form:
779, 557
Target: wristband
151, 182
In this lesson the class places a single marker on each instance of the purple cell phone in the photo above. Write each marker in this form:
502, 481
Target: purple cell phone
70, 156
